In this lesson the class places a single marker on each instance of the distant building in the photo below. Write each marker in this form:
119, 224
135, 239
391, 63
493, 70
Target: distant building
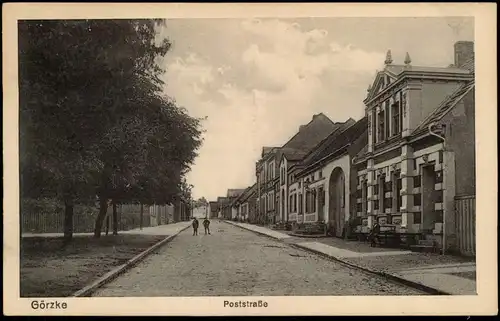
228, 211
245, 205
214, 209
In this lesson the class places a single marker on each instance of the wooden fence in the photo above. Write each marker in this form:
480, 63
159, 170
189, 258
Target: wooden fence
48, 217
465, 224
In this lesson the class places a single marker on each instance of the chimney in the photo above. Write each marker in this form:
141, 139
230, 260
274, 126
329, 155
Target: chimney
464, 50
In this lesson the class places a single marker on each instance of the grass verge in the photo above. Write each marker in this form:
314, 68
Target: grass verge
50, 270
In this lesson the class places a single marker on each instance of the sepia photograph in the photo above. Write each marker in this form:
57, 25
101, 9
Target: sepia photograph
246, 158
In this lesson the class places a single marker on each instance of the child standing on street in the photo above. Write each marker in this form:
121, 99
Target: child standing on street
195, 226
206, 224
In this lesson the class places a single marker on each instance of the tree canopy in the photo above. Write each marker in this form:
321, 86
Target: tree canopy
93, 119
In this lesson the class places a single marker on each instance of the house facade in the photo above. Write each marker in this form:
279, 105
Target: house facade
271, 169
247, 203
322, 181
222, 207
291, 164
265, 171
406, 174
232, 211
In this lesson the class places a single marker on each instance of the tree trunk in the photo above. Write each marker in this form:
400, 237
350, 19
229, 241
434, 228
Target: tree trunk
103, 209
142, 215
115, 220
68, 221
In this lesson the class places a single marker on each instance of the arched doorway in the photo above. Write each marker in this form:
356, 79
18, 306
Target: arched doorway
336, 208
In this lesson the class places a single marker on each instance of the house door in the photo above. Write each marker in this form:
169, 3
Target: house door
337, 200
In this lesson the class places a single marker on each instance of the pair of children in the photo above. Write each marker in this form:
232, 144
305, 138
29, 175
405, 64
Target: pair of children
206, 225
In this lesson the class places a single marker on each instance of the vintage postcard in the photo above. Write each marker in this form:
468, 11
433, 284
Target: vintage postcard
250, 159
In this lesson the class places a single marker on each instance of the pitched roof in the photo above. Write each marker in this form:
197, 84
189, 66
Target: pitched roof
247, 193
323, 144
293, 154
361, 154
339, 140
267, 149
235, 192
446, 105
450, 101
312, 133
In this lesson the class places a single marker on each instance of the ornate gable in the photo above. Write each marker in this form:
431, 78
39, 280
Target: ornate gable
387, 76
382, 80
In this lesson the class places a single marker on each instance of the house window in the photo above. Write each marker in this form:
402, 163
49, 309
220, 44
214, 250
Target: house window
387, 120
388, 203
270, 202
374, 127
320, 174
396, 125
301, 204
270, 171
382, 192
388, 186
417, 199
439, 177
311, 201
417, 181
399, 197
290, 205
293, 203
417, 218
438, 196
308, 202
381, 125
439, 216
365, 197
396, 192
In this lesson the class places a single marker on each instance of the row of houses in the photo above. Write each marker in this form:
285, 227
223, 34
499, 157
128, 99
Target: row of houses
408, 163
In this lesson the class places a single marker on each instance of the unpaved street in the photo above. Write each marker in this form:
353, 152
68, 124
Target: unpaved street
236, 262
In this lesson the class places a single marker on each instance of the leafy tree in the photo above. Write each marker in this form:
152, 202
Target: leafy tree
92, 120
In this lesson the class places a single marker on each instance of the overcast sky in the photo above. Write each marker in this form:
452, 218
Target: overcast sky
258, 80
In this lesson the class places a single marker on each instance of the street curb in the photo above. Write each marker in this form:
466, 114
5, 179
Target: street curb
111, 275
257, 232
394, 278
